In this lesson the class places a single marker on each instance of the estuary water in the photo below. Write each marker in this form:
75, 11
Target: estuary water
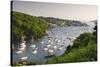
66, 35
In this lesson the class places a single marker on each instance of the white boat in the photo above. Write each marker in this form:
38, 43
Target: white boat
60, 48
24, 58
34, 52
33, 46
51, 51
45, 49
42, 42
48, 46
55, 47
19, 52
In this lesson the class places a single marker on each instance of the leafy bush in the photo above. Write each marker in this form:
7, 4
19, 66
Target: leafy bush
82, 40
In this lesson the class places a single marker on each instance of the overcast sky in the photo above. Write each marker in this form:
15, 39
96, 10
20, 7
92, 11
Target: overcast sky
57, 10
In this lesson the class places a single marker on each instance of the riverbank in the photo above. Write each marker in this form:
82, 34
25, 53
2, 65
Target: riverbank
84, 49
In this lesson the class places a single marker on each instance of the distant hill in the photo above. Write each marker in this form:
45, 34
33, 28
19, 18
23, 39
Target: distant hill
95, 21
63, 22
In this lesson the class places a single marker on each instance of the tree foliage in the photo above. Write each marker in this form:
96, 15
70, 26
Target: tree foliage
28, 26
